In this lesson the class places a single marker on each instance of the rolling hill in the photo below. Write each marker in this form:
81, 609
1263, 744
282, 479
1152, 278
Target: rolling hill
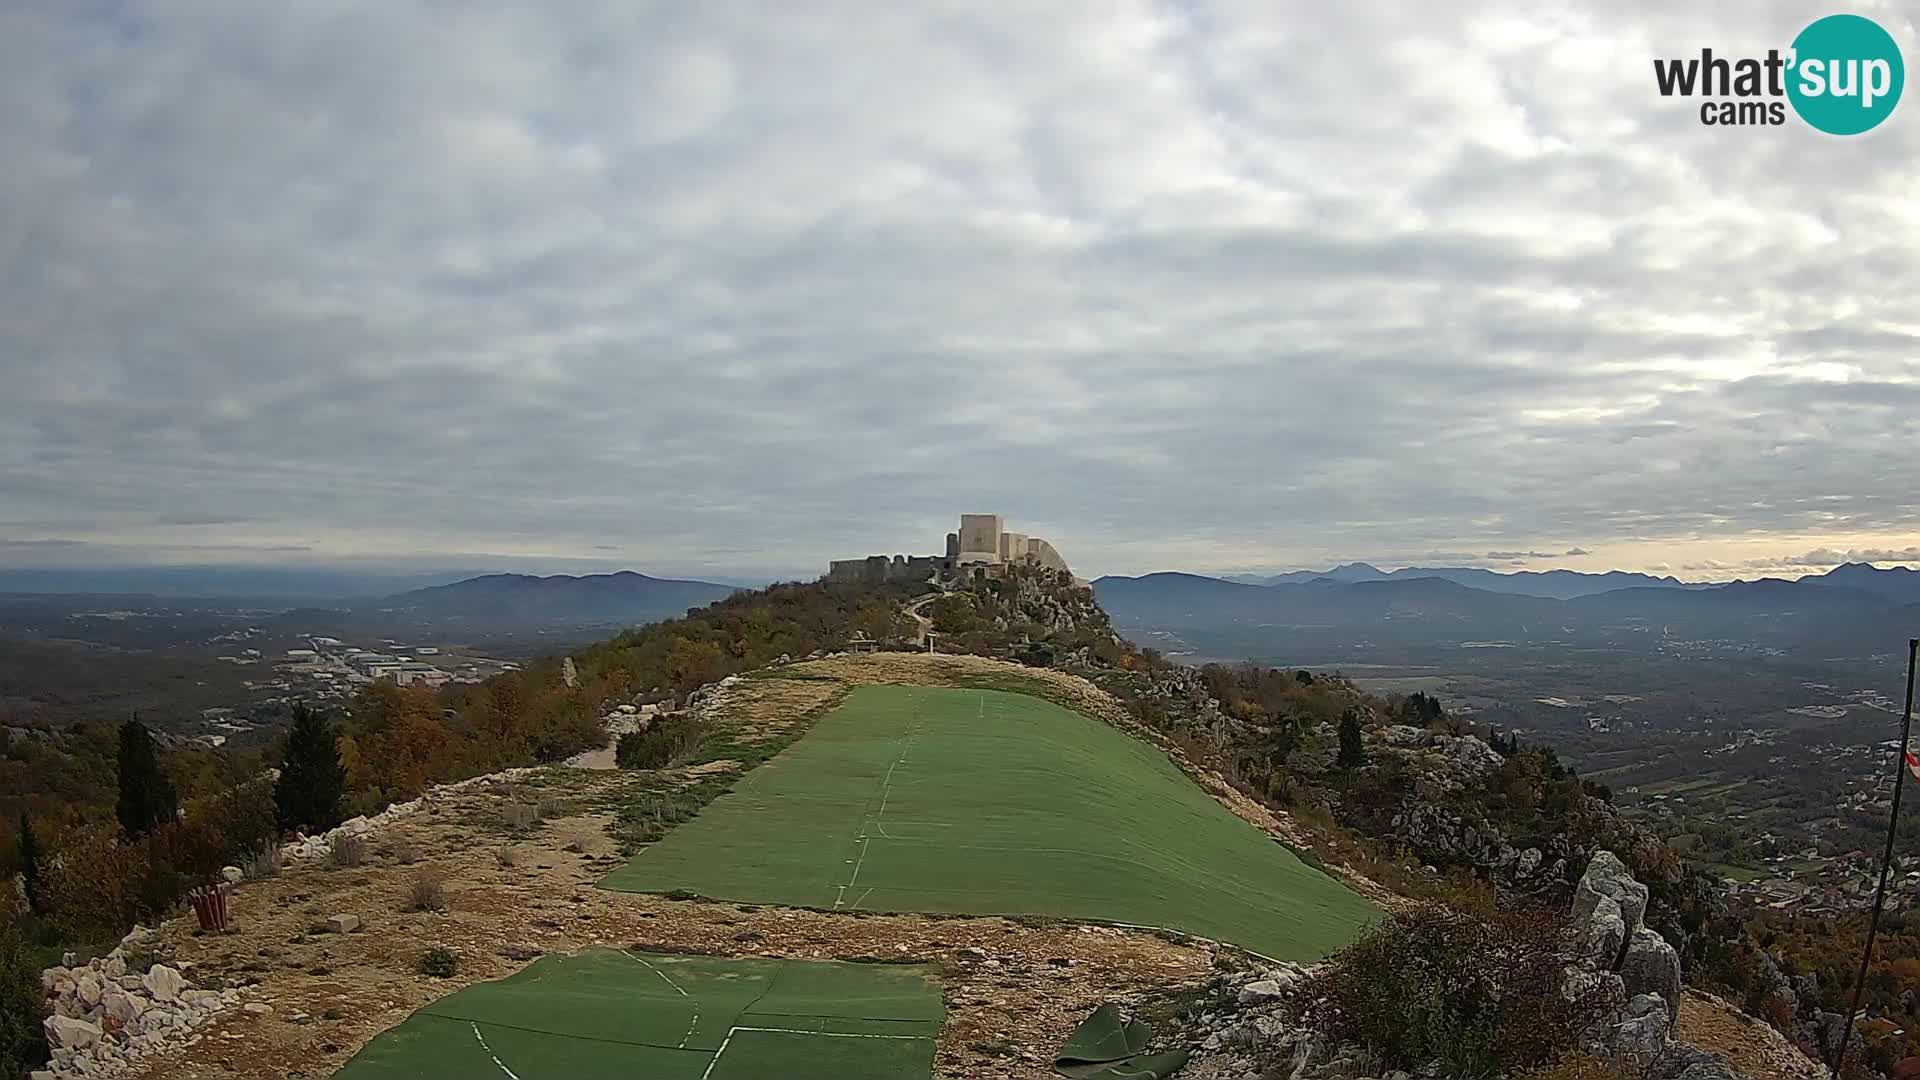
625, 596
1855, 609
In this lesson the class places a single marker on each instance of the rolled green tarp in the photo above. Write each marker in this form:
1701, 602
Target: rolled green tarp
1107, 1047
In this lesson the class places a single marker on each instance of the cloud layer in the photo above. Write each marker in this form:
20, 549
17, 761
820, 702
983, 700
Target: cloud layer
726, 286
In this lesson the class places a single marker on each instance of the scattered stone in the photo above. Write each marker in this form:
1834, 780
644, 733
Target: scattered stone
65, 1032
122, 1008
232, 875
343, 924
163, 982
256, 1008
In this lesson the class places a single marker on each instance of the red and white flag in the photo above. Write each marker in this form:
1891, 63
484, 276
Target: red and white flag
1913, 765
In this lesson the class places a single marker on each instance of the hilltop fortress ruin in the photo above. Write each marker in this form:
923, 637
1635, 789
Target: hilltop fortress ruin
982, 541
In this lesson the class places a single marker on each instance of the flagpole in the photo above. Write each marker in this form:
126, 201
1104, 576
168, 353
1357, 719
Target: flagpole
1886, 860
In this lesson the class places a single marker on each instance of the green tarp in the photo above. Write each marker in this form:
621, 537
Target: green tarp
989, 803
611, 1015
1106, 1047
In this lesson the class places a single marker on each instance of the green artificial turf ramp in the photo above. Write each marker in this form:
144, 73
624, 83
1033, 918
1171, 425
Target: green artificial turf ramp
990, 803
609, 1015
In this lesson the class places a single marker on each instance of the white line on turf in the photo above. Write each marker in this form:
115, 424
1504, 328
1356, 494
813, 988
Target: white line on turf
496, 1060
731, 1032
684, 1039
886, 794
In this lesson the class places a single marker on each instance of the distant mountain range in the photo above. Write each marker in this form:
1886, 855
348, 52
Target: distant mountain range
1856, 606
1557, 584
625, 596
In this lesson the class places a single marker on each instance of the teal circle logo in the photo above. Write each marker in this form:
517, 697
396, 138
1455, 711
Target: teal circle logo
1846, 74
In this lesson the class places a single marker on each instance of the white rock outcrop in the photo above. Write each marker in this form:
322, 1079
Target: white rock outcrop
104, 1018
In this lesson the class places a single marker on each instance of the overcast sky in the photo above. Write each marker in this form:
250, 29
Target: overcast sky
729, 288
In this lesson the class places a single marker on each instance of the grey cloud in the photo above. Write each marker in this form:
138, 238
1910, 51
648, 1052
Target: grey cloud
714, 285
1825, 557
1570, 552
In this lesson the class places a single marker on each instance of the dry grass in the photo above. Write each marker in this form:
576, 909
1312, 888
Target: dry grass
345, 852
427, 894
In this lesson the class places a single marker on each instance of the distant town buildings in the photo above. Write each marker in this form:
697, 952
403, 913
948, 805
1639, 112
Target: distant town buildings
981, 541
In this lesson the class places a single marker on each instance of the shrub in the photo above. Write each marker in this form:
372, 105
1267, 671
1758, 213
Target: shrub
663, 743
1481, 995
346, 851
404, 852
520, 815
439, 962
1578, 1065
91, 883
246, 818
264, 864
23, 1043
551, 808
180, 856
508, 858
427, 894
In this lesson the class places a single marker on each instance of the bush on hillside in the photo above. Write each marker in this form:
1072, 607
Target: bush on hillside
23, 1043
345, 851
439, 962
427, 894
1482, 995
92, 883
662, 744
246, 817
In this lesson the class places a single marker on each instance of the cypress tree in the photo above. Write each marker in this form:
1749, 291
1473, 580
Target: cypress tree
312, 781
147, 797
30, 864
1352, 753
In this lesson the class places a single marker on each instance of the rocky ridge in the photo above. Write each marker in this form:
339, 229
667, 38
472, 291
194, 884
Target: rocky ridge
1251, 1029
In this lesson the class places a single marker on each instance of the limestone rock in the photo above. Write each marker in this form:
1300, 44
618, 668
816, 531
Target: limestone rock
121, 1007
232, 875
1604, 937
1262, 992
1651, 966
1609, 877
163, 983
1407, 735
1641, 1033
88, 989
1529, 862
65, 1031
343, 924
1468, 752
